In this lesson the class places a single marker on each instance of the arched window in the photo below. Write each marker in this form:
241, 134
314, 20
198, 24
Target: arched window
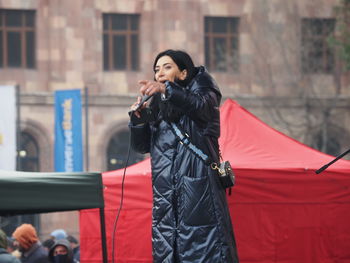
28, 161
28, 153
117, 151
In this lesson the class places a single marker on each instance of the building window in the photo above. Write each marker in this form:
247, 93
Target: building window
118, 149
120, 42
327, 142
9, 223
29, 162
28, 154
17, 39
317, 55
222, 43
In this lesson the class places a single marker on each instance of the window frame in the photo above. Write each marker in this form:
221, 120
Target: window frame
31, 158
128, 33
22, 29
231, 35
309, 63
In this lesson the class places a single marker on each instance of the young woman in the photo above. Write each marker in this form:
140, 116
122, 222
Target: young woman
191, 221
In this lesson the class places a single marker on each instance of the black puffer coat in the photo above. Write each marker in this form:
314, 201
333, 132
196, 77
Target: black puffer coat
191, 221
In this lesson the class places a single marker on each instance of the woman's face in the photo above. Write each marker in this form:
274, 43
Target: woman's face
167, 70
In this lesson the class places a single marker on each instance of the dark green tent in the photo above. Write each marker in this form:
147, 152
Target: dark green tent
28, 193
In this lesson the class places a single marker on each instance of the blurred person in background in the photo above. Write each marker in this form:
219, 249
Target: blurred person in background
5, 256
58, 234
74, 244
12, 248
31, 248
61, 252
48, 243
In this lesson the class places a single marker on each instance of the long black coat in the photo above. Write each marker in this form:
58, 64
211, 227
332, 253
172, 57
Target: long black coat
191, 221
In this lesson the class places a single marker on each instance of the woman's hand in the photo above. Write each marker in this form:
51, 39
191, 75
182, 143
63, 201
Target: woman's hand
150, 87
134, 106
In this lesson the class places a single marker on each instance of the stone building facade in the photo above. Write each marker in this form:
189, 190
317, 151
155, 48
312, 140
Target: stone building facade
268, 75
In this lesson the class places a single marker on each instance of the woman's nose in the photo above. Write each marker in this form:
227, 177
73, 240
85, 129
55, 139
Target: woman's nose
160, 72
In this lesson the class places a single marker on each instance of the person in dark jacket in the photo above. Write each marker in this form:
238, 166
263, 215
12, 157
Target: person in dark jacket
61, 252
29, 245
74, 244
5, 256
58, 234
48, 243
190, 220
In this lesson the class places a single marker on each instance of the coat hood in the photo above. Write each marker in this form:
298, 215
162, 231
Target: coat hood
204, 78
61, 242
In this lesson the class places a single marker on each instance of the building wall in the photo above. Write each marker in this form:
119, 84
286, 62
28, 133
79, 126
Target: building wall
69, 56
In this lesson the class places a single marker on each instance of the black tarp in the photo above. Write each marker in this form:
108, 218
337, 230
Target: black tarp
24, 192
29, 193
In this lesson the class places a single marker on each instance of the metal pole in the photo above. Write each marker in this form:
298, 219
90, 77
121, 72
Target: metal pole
18, 218
86, 93
18, 128
103, 235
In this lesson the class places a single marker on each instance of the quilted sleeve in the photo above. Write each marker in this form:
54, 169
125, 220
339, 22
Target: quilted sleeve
140, 137
200, 102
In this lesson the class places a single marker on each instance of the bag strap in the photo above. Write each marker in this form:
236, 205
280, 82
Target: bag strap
184, 139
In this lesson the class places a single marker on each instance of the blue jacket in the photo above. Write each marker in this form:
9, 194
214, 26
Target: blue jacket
6, 257
191, 221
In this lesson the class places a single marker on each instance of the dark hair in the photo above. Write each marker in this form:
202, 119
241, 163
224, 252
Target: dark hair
182, 60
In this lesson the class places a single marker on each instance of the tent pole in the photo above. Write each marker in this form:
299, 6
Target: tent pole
103, 235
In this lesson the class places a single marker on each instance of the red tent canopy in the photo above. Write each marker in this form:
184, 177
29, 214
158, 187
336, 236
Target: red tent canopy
281, 210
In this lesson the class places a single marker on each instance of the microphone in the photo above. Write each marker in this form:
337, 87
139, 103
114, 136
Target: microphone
324, 167
143, 100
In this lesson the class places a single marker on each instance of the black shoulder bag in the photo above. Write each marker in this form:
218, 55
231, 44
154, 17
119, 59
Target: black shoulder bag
226, 175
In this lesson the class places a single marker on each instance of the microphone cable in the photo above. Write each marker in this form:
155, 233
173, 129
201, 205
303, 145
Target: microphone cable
121, 199
143, 100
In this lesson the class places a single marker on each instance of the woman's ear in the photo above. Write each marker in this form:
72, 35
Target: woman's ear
183, 74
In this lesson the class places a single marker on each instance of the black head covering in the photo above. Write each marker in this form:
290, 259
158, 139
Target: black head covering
65, 243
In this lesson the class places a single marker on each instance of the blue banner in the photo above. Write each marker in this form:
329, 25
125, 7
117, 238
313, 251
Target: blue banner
68, 131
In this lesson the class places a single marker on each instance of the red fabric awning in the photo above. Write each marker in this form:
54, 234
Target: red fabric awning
281, 210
